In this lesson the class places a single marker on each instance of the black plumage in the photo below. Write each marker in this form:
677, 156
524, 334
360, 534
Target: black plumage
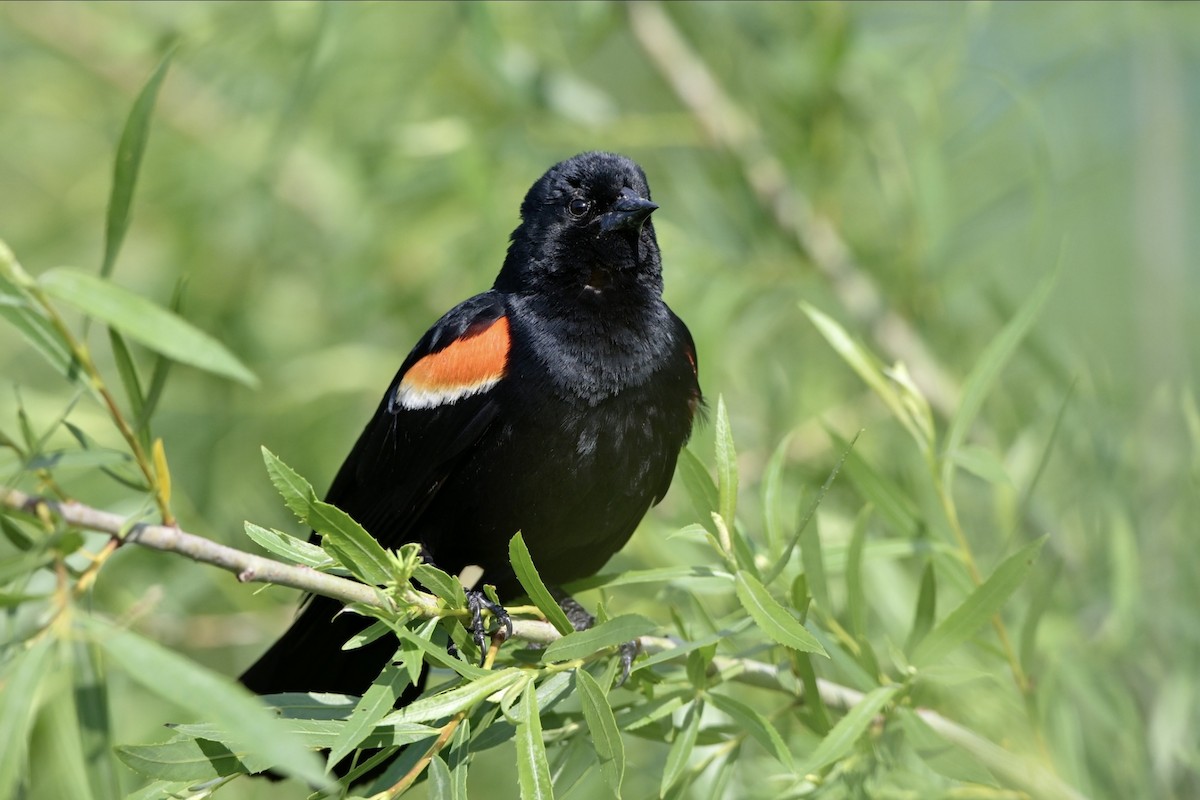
554, 404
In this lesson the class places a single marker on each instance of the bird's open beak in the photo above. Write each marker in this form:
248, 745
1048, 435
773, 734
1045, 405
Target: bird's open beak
629, 213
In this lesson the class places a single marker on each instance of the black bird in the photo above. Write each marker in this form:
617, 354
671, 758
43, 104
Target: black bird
554, 404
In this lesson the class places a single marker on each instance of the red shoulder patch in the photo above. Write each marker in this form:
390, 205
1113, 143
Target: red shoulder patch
467, 366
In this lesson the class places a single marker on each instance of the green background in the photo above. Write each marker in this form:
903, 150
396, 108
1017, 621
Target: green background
331, 178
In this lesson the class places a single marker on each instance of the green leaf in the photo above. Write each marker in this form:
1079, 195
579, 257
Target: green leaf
182, 759
681, 748
987, 599
849, 729
991, 362
451, 702
94, 721
374, 705
727, 468
440, 780
816, 581
602, 726
757, 726
318, 733
864, 362
356, 549
772, 617
533, 768
441, 584
21, 678
699, 485
128, 160
531, 582
772, 489
982, 463
616, 631
41, 334
142, 320
288, 546
856, 599
926, 608
637, 576
128, 372
892, 502
208, 696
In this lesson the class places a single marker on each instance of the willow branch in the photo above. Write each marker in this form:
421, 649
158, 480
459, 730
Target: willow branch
248, 567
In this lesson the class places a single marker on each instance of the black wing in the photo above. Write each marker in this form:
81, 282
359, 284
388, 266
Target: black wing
403, 456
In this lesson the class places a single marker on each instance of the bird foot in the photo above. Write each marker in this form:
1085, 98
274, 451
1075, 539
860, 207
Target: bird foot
477, 601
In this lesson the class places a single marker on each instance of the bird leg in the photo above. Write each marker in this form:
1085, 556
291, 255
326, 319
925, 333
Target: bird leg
581, 620
477, 601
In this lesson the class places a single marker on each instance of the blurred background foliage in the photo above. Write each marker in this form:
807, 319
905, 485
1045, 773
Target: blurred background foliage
331, 178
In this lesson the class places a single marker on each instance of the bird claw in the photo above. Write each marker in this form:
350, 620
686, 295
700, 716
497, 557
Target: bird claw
628, 651
477, 601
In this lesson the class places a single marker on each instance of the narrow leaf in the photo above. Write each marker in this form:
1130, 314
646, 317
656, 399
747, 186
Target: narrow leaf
354, 547
288, 546
699, 485
926, 608
991, 362
208, 696
987, 599
681, 748
533, 768
849, 729
602, 726
466, 696
772, 617
727, 468
182, 759
374, 705
531, 582
143, 320
616, 631
444, 586
128, 372
20, 678
757, 726
128, 160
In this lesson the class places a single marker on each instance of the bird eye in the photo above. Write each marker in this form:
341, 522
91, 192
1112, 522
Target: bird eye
578, 207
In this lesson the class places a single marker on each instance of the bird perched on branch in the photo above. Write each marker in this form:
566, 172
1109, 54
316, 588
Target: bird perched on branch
554, 404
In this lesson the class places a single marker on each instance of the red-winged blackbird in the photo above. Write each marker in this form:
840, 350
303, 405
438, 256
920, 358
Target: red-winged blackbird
554, 404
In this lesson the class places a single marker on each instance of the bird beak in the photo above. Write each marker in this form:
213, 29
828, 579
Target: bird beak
630, 212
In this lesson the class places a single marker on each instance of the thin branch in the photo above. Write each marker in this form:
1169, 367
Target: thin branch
247, 567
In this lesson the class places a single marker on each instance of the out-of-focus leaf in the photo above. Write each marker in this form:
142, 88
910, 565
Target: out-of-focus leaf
129, 158
991, 362
889, 499
183, 759
756, 725
61, 769
772, 617
637, 576
354, 547
533, 768
981, 463
288, 546
772, 489
926, 608
843, 736
681, 748
616, 631
531, 582
20, 678
94, 723
816, 580
144, 321
727, 468
128, 372
602, 726
987, 599
208, 696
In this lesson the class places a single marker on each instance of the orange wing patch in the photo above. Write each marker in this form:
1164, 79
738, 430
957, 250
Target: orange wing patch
466, 367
